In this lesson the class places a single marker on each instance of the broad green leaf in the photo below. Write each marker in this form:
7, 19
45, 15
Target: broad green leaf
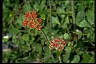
92, 60
42, 5
86, 58
67, 20
50, 60
64, 26
59, 10
80, 16
47, 53
80, 52
83, 24
15, 40
25, 37
69, 44
55, 20
66, 36
36, 7
13, 56
76, 59
25, 48
67, 54
38, 48
90, 16
27, 8
42, 16
20, 20
21, 17
12, 30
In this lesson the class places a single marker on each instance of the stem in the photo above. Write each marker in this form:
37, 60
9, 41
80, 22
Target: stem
44, 36
50, 15
47, 44
60, 59
73, 12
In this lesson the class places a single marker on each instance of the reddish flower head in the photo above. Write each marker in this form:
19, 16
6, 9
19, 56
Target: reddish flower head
32, 20
31, 24
38, 26
60, 47
34, 14
57, 43
24, 23
38, 20
27, 15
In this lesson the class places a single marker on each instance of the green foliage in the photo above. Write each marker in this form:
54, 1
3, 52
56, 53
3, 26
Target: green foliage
25, 45
67, 54
55, 20
76, 59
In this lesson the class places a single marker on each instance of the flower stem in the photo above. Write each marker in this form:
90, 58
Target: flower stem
45, 37
60, 59
47, 43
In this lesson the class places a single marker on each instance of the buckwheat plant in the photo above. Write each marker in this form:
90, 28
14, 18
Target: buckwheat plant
33, 22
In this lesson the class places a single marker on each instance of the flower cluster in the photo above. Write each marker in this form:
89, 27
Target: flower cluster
31, 20
57, 43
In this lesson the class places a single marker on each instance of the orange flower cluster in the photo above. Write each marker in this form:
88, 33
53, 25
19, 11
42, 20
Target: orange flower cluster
57, 43
31, 20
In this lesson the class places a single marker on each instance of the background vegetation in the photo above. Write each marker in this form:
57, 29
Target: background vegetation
72, 22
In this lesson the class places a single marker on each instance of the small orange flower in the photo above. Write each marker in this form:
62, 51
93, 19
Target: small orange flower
34, 14
27, 15
60, 47
31, 24
38, 20
24, 23
38, 26
57, 43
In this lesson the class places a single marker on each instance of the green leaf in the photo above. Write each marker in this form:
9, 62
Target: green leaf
27, 8
90, 16
80, 52
66, 36
92, 60
67, 20
38, 48
25, 48
42, 5
47, 53
60, 10
25, 37
76, 59
12, 56
67, 54
20, 19
64, 26
86, 58
83, 24
36, 7
42, 16
55, 20
80, 16
12, 30
69, 44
